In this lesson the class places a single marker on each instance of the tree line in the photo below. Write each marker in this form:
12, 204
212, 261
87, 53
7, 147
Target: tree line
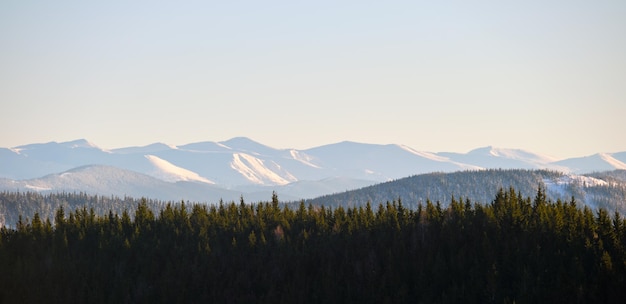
26, 204
514, 249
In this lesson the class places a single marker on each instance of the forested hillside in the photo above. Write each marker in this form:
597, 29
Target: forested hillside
513, 249
26, 204
616, 175
606, 189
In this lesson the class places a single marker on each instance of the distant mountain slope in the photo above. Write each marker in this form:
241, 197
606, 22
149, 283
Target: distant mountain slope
479, 186
490, 157
379, 162
106, 180
152, 148
593, 163
112, 181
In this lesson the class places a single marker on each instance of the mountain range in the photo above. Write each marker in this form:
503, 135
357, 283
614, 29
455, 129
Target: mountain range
209, 171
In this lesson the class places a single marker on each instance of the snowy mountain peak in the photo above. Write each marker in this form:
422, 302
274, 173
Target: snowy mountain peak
493, 151
79, 143
247, 145
241, 141
151, 148
205, 146
483, 151
518, 154
345, 148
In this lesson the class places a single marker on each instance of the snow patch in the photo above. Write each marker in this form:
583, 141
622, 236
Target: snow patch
438, 158
172, 173
80, 143
584, 181
224, 146
523, 155
303, 158
612, 161
255, 170
36, 188
427, 155
559, 186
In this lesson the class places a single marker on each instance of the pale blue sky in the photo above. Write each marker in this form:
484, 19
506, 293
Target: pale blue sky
546, 76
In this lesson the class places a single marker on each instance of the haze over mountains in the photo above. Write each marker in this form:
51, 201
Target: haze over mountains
208, 171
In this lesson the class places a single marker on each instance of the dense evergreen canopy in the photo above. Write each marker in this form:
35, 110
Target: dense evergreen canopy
608, 191
514, 249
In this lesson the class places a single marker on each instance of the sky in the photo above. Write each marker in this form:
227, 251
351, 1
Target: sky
545, 76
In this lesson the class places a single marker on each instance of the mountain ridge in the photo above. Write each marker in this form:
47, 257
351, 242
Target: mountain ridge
242, 163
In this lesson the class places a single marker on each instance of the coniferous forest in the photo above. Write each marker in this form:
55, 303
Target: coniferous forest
514, 249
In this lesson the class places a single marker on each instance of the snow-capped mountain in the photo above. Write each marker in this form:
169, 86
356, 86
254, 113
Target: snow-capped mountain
378, 162
251, 167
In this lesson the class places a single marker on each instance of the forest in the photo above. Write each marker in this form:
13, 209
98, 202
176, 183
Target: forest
480, 185
514, 249
16, 205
